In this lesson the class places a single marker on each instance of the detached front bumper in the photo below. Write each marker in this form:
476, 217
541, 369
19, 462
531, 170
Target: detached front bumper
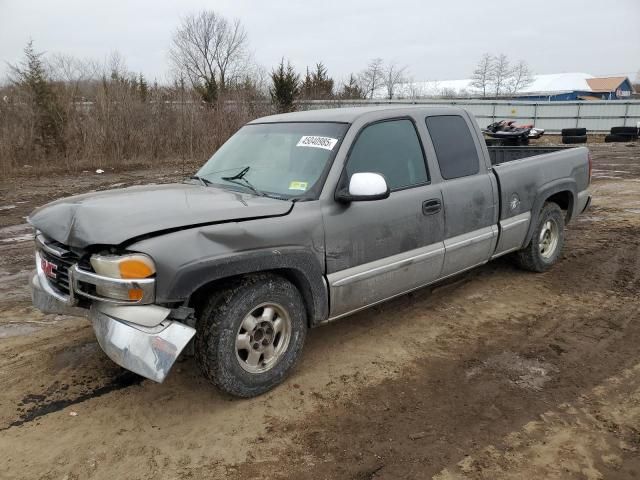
147, 351
148, 348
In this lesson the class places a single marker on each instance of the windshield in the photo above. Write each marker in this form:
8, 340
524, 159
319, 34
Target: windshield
275, 159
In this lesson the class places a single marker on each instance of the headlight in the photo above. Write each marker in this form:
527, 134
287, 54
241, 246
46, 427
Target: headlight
135, 266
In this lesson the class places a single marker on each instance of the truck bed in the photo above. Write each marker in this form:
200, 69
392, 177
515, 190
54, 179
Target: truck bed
527, 179
502, 154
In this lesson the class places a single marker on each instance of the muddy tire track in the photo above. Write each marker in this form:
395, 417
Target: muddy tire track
34, 406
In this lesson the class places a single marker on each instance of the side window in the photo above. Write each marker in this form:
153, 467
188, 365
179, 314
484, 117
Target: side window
453, 143
391, 148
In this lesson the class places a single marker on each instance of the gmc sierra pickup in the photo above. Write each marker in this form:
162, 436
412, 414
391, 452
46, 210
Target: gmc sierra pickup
298, 219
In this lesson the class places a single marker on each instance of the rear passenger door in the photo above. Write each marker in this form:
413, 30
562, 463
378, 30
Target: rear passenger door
468, 192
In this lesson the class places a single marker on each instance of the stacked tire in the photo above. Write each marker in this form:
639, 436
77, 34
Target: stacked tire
622, 134
574, 135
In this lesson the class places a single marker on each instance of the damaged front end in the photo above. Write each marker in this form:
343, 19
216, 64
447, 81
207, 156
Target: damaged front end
116, 292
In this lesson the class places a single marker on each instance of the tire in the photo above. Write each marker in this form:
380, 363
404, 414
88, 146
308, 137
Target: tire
533, 257
574, 139
573, 132
619, 138
633, 131
224, 317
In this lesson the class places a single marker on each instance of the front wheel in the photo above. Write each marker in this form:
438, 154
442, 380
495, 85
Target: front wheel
544, 249
250, 335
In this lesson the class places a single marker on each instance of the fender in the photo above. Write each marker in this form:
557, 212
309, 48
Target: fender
300, 264
546, 191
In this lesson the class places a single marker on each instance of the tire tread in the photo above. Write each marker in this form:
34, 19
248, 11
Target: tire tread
529, 257
213, 323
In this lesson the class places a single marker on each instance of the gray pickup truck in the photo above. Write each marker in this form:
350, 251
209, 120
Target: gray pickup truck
297, 220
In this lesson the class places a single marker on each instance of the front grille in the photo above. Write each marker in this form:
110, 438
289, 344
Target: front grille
62, 263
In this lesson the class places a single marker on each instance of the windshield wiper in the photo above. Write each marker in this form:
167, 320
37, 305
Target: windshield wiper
238, 176
202, 180
245, 183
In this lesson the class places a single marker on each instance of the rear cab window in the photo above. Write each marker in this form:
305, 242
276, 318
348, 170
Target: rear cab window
456, 151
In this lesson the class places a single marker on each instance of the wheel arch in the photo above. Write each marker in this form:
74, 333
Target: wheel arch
561, 192
298, 266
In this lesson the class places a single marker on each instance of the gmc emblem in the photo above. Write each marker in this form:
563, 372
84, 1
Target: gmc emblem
48, 268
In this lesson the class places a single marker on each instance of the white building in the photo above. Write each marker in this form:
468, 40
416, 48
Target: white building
555, 86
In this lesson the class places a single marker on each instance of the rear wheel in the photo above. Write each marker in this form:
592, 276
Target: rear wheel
544, 249
250, 335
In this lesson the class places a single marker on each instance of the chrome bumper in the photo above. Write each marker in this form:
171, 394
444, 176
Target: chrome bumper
45, 299
149, 350
584, 200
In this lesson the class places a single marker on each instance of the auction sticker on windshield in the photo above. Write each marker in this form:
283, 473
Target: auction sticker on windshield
317, 142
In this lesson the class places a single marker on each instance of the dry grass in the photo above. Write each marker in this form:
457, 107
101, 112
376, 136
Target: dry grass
118, 128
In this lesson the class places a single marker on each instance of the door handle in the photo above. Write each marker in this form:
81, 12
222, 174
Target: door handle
429, 207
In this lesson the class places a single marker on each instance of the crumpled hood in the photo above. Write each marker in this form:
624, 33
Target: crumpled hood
113, 216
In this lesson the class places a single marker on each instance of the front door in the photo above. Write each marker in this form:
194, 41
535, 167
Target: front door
379, 249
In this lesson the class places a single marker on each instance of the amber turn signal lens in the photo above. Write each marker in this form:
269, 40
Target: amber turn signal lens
135, 268
135, 294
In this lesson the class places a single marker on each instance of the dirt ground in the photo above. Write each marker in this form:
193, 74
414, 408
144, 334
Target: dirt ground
498, 374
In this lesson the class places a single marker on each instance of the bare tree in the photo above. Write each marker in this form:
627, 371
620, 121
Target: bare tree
520, 78
72, 70
210, 51
372, 77
116, 66
77, 75
448, 92
393, 76
501, 74
414, 90
483, 74
435, 88
259, 78
231, 57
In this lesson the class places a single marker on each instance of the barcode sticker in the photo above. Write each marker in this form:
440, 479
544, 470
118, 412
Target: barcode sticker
317, 142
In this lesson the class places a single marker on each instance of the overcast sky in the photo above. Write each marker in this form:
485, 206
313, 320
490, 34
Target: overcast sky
436, 40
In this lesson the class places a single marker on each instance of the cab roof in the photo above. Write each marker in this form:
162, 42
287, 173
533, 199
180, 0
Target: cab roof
351, 114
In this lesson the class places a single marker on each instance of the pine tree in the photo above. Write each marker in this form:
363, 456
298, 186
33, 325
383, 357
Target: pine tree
352, 90
31, 77
322, 83
285, 87
306, 89
317, 85
143, 88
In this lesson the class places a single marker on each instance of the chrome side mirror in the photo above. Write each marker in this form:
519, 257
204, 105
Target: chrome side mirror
365, 186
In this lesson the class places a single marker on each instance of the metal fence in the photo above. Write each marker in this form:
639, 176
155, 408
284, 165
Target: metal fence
596, 116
